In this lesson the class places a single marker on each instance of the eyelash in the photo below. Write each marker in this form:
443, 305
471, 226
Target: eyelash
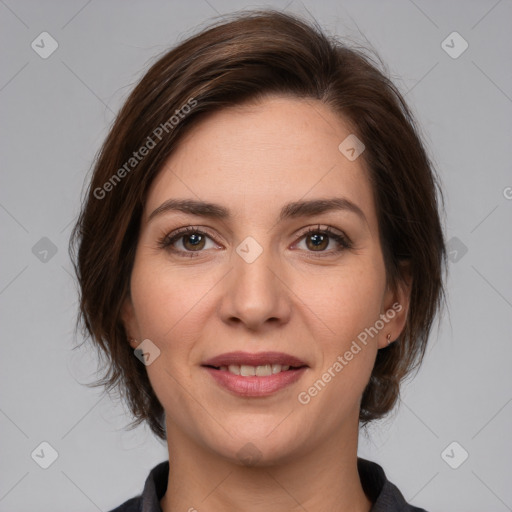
168, 240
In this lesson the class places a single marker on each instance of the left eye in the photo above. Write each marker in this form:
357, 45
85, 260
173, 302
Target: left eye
317, 240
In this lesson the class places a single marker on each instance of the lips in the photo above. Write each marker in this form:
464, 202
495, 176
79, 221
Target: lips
255, 375
260, 359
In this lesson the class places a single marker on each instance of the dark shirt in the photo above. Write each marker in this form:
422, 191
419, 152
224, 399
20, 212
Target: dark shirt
385, 496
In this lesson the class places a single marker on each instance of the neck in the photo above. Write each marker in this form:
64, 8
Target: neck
325, 479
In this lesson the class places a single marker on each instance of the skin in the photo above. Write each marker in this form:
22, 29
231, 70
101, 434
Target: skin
259, 157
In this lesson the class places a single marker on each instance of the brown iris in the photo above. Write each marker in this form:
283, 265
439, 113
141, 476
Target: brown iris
196, 240
318, 240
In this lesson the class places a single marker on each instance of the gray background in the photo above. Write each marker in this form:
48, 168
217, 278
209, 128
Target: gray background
55, 113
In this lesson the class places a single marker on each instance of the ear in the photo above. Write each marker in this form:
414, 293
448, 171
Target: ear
396, 307
129, 322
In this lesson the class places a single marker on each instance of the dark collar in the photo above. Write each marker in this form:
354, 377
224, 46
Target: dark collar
385, 496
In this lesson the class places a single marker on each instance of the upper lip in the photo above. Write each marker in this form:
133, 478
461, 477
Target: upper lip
259, 359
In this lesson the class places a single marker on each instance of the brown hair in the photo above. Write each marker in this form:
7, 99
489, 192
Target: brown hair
255, 54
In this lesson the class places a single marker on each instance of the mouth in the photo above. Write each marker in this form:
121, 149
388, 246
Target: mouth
255, 375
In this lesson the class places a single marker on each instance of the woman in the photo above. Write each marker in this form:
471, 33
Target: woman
260, 256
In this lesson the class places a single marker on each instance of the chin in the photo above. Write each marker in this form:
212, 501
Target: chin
260, 445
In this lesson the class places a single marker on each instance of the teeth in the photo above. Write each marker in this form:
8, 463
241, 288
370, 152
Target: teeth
234, 368
247, 371
250, 371
263, 371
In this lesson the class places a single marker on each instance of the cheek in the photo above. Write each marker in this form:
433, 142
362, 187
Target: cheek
169, 300
345, 303
346, 351
171, 305
346, 300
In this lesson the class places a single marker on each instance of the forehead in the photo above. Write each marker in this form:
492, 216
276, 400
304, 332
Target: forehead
252, 157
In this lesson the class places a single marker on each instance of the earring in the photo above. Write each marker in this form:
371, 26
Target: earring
389, 339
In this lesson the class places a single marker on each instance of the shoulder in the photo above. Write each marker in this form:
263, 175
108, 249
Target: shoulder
153, 492
132, 505
386, 496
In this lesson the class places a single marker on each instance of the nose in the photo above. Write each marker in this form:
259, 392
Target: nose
256, 294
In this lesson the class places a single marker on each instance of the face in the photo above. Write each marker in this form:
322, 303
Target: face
269, 283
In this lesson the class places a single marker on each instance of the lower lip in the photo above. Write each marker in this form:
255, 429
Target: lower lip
255, 386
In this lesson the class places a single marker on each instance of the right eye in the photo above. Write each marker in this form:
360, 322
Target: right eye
192, 241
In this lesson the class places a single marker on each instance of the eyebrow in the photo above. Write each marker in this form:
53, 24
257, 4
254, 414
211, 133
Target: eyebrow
288, 211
